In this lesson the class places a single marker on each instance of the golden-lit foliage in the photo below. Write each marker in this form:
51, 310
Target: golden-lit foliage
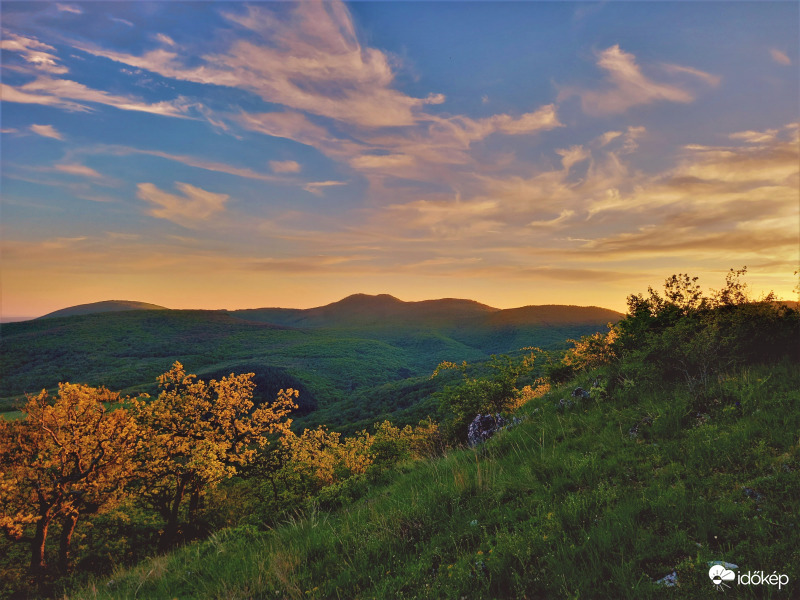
317, 458
68, 456
529, 392
591, 350
71, 456
196, 434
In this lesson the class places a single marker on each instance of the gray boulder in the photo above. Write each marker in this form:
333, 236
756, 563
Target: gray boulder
581, 393
483, 427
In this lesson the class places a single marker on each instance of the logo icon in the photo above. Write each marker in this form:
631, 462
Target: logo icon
719, 575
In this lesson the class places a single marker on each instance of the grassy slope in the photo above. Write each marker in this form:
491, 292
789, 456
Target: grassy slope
568, 504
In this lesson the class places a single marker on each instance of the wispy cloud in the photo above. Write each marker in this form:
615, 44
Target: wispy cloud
730, 199
69, 8
190, 208
50, 90
12, 94
39, 55
67, 94
317, 187
165, 39
755, 137
46, 131
628, 86
311, 62
192, 161
322, 263
708, 78
77, 169
122, 21
556, 222
291, 125
780, 57
284, 166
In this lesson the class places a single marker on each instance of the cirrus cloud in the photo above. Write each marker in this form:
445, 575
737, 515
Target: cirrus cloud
628, 86
47, 131
39, 55
780, 57
190, 208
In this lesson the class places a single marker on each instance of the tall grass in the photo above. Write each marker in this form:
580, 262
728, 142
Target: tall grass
568, 504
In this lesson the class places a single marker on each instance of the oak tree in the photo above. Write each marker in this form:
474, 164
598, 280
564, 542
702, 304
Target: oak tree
196, 434
69, 456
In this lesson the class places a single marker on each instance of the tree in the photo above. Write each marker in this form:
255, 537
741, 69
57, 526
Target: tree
67, 457
696, 338
196, 434
496, 393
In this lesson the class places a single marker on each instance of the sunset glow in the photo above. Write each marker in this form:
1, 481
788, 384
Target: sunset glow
241, 155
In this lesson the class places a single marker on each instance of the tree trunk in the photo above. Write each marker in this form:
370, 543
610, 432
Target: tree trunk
66, 538
171, 529
37, 546
194, 504
274, 490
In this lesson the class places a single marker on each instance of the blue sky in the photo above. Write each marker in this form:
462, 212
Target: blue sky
232, 155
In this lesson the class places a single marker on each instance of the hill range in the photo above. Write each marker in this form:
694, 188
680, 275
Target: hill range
354, 360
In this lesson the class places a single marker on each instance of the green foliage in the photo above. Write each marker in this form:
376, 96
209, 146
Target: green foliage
494, 393
565, 505
341, 368
685, 452
687, 336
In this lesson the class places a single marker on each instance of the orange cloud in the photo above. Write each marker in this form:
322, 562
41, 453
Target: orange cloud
284, 166
194, 205
628, 86
46, 131
312, 62
39, 55
77, 169
61, 92
780, 57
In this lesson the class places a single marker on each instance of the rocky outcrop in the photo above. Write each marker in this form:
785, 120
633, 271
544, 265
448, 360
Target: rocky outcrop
483, 427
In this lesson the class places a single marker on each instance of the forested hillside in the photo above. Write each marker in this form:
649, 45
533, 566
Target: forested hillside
640, 458
342, 356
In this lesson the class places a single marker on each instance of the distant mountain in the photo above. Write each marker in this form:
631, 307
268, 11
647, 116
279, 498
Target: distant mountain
357, 360
365, 310
552, 314
102, 307
383, 309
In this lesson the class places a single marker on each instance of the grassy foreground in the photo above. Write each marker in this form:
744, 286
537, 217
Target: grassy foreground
583, 499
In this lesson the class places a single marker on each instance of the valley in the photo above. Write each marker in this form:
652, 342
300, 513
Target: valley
355, 361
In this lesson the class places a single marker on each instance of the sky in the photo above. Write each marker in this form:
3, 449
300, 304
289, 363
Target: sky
240, 155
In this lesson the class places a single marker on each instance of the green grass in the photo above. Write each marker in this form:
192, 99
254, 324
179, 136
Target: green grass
567, 504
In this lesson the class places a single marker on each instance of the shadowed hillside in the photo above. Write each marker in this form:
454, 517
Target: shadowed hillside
361, 310
341, 354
